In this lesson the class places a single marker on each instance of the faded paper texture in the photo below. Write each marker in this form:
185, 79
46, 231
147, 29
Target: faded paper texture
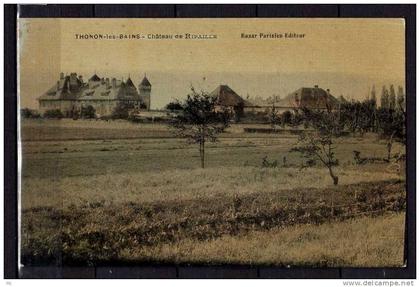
213, 141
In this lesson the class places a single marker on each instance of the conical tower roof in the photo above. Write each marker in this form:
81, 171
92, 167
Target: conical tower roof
145, 82
129, 82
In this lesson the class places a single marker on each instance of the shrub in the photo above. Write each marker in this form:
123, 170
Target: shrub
87, 112
28, 113
122, 110
174, 106
57, 114
267, 163
286, 118
254, 117
74, 114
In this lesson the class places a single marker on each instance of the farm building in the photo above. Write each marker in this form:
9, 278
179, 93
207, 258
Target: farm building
228, 98
313, 98
70, 94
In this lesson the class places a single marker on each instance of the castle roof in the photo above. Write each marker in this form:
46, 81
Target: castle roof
64, 88
145, 82
101, 91
129, 82
71, 88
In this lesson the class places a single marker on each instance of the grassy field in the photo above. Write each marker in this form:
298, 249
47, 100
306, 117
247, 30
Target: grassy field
97, 192
379, 242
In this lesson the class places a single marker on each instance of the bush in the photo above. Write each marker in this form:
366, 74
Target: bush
269, 164
56, 114
254, 117
74, 114
174, 106
286, 118
122, 110
357, 157
87, 112
29, 114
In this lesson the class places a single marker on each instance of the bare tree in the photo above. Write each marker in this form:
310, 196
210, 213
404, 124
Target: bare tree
199, 121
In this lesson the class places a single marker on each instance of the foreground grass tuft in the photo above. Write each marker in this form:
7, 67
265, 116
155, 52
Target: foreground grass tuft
362, 242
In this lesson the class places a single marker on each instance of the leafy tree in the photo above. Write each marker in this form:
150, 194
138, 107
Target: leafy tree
385, 98
400, 99
74, 114
392, 127
297, 118
286, 118
238, 112
374, 103
358, 116
87, 112
318, 144
373, 95
199, 121
273, 117
122, 110
392, 97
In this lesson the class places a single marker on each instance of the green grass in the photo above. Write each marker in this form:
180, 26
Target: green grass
95, 191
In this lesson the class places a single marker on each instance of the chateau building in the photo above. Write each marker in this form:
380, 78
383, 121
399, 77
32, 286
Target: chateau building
71, 93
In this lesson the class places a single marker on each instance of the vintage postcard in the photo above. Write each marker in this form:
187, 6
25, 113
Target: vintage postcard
212, 141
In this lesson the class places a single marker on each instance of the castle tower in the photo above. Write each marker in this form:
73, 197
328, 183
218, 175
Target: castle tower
145, 88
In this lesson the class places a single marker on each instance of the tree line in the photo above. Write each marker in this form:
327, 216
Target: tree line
121, 111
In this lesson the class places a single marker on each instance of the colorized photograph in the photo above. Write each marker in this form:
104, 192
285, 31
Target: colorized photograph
259, 142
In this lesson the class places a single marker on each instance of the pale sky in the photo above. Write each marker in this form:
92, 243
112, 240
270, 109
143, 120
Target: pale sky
347, 55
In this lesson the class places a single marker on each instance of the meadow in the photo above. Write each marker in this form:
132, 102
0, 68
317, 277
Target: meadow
98, 192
